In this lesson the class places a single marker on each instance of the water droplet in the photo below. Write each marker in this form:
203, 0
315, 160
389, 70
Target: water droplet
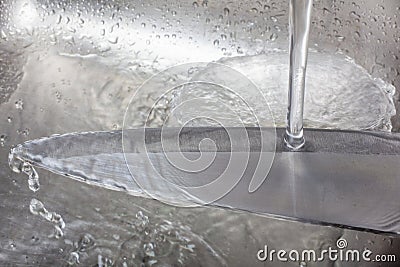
216, 42
195, 4
340, 38
85, 242
73, 258
9, 119
58, 97
19, 104
113, 40
3, 139
36, 207
13, 246
33, 177
273, 37
24, 132
149, 249
226, 11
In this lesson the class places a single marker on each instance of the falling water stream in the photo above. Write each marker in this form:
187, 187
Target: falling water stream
299, 29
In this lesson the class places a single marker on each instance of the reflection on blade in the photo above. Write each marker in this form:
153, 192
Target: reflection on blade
341, 178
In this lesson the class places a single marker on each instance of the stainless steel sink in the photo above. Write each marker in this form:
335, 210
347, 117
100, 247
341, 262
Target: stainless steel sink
71, 66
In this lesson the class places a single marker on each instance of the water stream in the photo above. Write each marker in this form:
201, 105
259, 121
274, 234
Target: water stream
299, 29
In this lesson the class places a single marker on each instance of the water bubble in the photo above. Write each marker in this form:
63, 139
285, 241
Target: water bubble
19, 104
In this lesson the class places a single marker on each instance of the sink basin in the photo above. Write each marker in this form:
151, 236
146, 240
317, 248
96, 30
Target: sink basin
72, 66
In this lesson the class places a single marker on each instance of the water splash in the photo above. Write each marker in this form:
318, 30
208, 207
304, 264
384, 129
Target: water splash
37, 208
340, 94
147, 242
19, 165
33, 177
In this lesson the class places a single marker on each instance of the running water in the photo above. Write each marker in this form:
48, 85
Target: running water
299, 28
